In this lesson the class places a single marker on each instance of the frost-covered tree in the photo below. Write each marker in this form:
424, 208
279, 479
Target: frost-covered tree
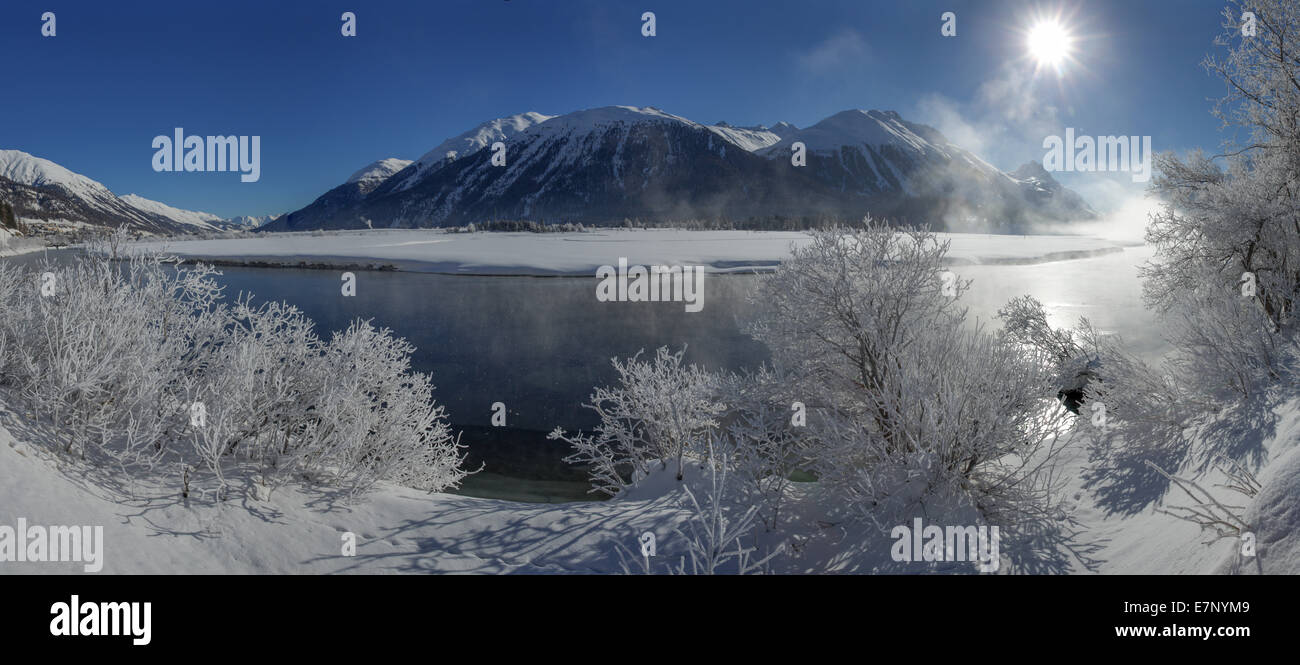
1225, 279
1229, 234
916, 402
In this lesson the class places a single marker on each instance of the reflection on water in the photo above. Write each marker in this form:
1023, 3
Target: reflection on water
1106, 289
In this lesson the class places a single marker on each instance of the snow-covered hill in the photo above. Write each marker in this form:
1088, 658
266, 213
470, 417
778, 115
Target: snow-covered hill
28, 169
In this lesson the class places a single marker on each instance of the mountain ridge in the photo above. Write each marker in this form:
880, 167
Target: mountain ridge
605, 164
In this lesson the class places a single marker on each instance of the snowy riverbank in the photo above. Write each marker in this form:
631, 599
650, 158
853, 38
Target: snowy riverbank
581, 254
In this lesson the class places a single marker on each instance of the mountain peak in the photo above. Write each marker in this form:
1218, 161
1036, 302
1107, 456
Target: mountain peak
1031, 169
783, 129
858, 127
602, 115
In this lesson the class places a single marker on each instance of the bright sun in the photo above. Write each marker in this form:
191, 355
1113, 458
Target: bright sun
1049, 43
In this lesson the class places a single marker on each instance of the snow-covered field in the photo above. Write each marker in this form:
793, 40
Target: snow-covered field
583, 253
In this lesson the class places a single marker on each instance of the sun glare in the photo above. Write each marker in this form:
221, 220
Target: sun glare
1048, 43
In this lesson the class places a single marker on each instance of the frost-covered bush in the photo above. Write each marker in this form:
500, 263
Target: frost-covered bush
713, 535
660, 412
379, 418
1024, 321
140, 362
761, 442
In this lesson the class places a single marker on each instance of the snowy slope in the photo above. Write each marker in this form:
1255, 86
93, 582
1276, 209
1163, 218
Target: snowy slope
749, 138
398, 530
468, 143
201, 220
375, 173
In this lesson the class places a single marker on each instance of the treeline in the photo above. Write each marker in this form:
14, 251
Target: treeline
518, 226
771, 223
767, 223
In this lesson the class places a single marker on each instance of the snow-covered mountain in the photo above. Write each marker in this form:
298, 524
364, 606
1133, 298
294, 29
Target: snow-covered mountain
1036, 184
606, 164
206, 221
42, 190
913, 171
39, 189
347, 195
598, 164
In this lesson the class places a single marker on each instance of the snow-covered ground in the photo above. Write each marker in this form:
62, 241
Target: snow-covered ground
11, 245
583, 253
295, 531
400, 530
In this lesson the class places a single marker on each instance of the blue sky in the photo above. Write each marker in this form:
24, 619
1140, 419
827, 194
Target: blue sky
118, 74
